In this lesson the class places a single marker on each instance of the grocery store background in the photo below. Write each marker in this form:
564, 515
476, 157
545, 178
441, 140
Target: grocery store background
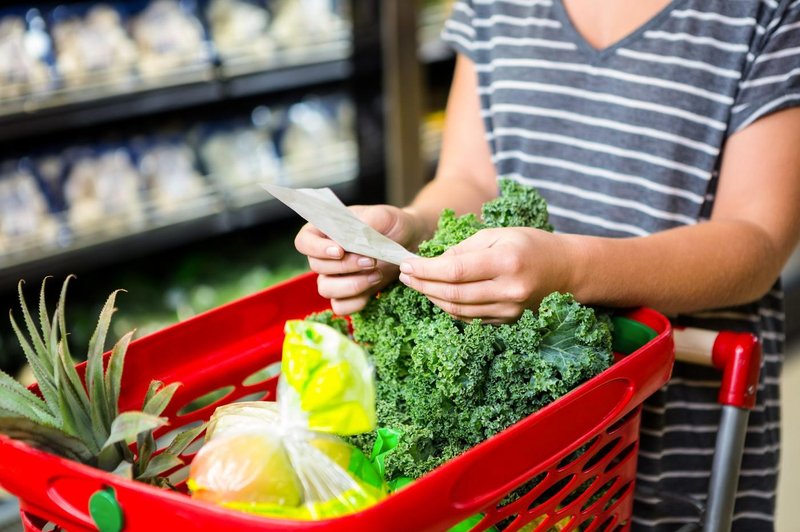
133, 137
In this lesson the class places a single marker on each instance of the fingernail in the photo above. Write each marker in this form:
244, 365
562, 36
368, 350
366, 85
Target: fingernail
405, 279
406, 268
374, 278
334, 252
366, 262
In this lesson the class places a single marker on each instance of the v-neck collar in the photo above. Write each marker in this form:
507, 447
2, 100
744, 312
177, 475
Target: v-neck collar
596, 54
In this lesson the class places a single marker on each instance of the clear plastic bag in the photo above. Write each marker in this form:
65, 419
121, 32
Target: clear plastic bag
286, 458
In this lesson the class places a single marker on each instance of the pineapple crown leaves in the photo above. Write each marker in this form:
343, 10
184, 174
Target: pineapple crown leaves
77, 417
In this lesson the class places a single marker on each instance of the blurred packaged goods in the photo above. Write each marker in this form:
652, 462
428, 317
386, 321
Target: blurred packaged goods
100, 190
432, 16
103, 191
240, 28
310, 142
25, 54
92, 46
318, 133
25, 217
77, 52
176, 189
168, 35
303, 22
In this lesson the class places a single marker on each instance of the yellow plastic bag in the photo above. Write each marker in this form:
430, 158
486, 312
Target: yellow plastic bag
284, 458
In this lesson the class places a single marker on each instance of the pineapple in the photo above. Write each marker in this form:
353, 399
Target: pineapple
79, 419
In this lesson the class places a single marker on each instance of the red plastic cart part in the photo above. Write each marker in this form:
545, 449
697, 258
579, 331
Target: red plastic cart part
736, 355
581, 449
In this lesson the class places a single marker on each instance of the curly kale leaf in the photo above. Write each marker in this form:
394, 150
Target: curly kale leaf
451, 230
327, 317
517, 206
448, 385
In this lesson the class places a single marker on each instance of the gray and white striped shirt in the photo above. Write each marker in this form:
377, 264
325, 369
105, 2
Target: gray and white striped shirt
627, 141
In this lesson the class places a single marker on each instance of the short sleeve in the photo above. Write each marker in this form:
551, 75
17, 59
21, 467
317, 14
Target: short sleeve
459, 31
772, 81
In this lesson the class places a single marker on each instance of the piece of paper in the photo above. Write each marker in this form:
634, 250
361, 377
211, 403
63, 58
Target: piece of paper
322, 209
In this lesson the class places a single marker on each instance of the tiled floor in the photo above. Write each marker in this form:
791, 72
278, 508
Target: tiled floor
789, 489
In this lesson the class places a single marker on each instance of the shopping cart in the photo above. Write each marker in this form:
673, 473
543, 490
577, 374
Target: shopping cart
569, 466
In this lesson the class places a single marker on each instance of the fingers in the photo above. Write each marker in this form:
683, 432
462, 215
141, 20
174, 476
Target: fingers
350, 263
349, 286
345, 307
487, 313
473, 293
327, 257
451, 268
311, 242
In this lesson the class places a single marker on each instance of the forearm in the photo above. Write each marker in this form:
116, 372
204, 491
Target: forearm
708, 265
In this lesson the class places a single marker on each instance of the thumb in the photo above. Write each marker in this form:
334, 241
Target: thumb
379, 217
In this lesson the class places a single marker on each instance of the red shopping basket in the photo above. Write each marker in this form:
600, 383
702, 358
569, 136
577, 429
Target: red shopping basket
570, 465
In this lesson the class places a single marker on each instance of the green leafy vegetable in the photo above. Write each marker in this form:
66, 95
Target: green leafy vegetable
447, 385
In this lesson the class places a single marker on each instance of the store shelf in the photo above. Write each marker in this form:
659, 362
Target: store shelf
218, 212
63, 110
288, 77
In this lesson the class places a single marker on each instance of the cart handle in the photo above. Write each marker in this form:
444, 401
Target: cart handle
736, 355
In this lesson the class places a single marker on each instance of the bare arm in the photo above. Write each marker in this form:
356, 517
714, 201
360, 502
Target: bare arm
731, 259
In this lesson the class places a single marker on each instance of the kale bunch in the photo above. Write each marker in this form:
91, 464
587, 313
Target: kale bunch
517, 206
447, 385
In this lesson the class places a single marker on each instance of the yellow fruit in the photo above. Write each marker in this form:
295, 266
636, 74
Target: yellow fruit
336, 449
245, 468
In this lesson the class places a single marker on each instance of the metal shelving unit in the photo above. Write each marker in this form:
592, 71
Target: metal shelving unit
35, 116
348, 61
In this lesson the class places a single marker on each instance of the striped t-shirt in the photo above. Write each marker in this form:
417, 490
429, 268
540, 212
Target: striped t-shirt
627, 141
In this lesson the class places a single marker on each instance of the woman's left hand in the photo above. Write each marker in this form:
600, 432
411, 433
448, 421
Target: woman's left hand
493, 275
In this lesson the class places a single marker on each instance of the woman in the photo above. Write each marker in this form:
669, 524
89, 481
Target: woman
665, 137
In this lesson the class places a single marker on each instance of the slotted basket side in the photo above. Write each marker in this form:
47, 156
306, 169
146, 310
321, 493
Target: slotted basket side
587, 435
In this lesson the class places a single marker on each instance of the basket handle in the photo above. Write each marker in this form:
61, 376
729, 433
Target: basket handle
736, 355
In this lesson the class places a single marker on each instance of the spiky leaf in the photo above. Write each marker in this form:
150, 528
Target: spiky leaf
41, 364
128, 425
156, 403
74, 403
44, 321
111, 457
46, 438
184, 439
15, 398
61, 316
95, 382
145, 447
160, 464
38, 343
113, 376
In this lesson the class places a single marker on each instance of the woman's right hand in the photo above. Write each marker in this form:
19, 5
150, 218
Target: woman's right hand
349, 279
